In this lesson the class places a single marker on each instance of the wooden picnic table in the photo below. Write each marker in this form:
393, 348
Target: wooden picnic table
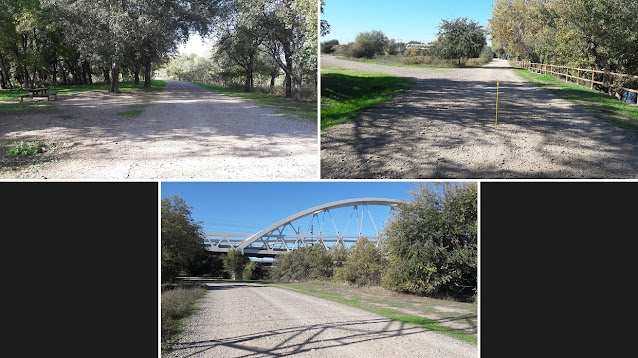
38, 92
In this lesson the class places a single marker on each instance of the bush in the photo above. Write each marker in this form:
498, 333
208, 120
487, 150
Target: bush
487, 53
253, 271
363, 265
367, 44
418, 60
476, 62
306, 263
177, 303
432, 243
328, 46
234, 263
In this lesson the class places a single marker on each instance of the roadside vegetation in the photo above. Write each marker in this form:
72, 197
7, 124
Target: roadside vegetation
19, 154
592, 34
622, 114
460, 42
429, 249
346, 93
179, 301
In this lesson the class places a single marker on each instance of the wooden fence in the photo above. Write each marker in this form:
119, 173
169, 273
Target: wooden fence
607, 79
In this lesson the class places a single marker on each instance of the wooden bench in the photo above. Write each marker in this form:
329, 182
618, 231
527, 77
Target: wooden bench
25, 95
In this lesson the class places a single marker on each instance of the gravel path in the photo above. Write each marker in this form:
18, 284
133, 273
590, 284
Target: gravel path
245, 320
443, 127
185, 132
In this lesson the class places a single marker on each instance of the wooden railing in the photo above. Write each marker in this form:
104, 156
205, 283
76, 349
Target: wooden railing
606, 79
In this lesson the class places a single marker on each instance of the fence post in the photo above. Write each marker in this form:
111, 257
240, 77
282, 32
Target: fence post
592, 80
578, 78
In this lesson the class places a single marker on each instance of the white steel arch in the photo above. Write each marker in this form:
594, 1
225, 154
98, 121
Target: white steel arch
271, 241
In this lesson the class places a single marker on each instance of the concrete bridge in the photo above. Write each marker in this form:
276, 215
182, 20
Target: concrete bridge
278, 238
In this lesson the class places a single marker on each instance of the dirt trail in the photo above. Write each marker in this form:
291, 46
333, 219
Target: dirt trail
443, 127
246, 320
184, 131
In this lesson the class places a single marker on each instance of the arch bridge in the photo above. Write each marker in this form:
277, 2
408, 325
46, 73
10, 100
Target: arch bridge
283, 237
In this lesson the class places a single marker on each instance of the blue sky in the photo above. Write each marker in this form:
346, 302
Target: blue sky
405, 20
247, 207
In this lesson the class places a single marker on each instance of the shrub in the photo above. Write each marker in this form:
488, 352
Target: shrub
432, 243
177, 303
475, 62
234, 263
306, 263
26, 148
363, 265
328, 46
418, 60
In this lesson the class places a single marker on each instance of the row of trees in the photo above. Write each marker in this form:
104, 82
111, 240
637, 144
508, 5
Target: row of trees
598, 34
457, 39
52, 41
430, 248
48, 41
264, 38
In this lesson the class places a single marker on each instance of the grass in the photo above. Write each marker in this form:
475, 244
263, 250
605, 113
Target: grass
386, 304
601, 105
23, 154
345, 93
26, 148
305, 108
178, 303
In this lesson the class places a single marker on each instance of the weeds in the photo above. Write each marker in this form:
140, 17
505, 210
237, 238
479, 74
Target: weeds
178, 302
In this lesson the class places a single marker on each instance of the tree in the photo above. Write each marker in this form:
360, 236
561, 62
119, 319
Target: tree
460, 38
234, 263
432, 242
182, 238
368, 44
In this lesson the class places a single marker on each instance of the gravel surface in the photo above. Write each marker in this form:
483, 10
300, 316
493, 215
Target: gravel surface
186, 132
443, 127
245, 320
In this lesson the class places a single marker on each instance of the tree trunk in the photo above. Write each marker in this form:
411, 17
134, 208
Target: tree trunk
147, 74
288, 71
115, 79
86, 72
137, 77
107, 75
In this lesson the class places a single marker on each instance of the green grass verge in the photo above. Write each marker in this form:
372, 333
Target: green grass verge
305, 108
14, 94
371, 305
178, 303
345, 93
601, 105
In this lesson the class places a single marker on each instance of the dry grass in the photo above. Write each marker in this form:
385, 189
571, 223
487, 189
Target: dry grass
178, 302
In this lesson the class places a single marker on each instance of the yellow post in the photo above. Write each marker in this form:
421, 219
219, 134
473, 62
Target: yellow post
496, 118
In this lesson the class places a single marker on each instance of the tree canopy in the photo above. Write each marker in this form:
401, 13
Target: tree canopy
47, 41
598, 34
432, 242
460, 38
182, 240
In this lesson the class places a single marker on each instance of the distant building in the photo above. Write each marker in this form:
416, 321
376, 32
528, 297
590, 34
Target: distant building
421, 46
